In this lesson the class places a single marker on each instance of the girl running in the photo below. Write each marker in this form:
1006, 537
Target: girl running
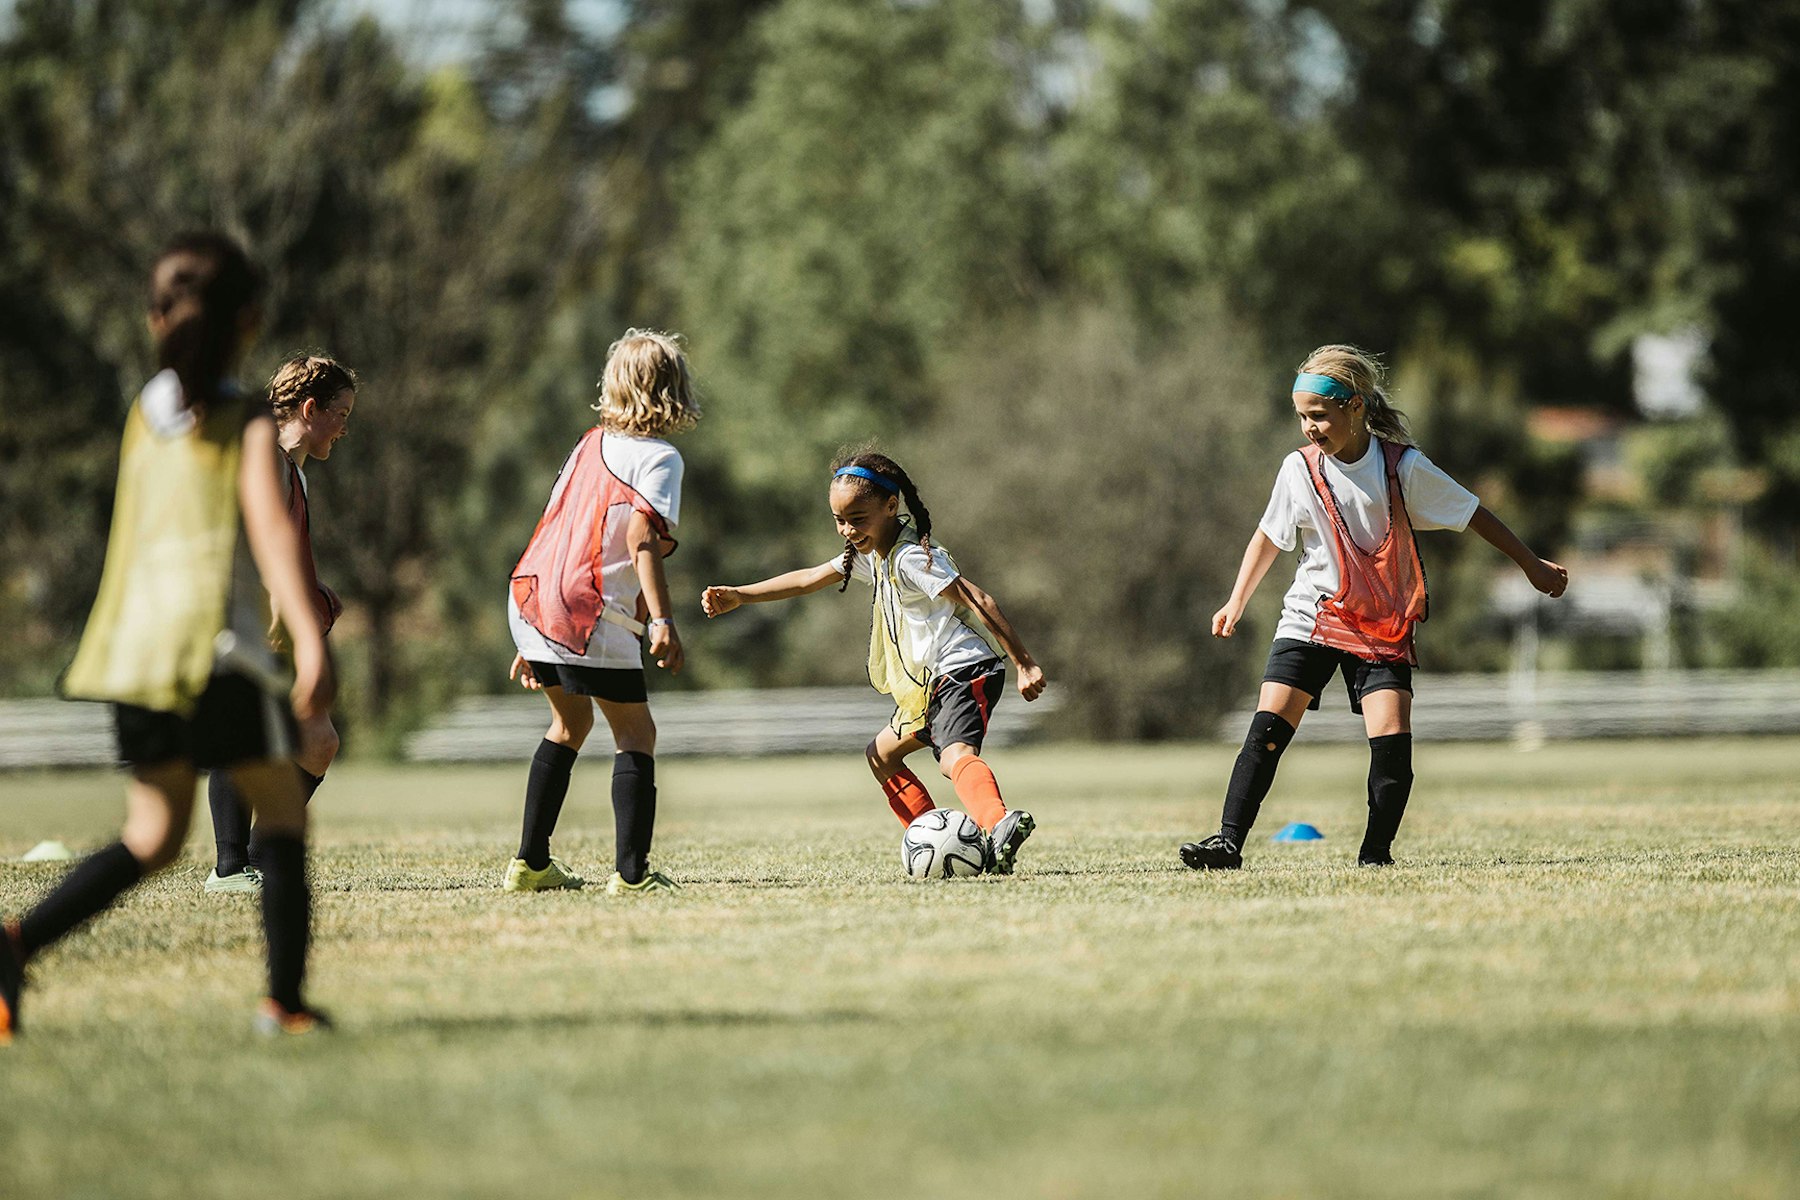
587, 585
176, 641
312, 398
1354, 495
942, 674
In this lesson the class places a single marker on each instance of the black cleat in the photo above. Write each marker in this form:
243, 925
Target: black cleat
1215, 853
1009, 835
1374, 858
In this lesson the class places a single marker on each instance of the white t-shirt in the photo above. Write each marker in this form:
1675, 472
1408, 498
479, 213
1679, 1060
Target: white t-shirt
653, 468
933, 635
1433, 501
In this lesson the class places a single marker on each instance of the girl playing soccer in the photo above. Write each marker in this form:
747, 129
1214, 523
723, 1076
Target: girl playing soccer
1355, 494
584, 588
176, 640
312, 398
942, 674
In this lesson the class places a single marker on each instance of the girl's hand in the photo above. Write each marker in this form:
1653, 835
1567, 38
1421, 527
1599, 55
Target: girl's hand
665, 646
1031, 681
717, 601
521, 671
1548, 577
1225, 621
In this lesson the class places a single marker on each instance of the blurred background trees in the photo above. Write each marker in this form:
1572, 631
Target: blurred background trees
1058, 257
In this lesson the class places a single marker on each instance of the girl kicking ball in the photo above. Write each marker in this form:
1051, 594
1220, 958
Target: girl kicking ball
311, 398
1353, 497
176, 641
944, 678
581, 595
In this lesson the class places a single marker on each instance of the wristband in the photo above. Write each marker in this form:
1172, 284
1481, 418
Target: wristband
655, 621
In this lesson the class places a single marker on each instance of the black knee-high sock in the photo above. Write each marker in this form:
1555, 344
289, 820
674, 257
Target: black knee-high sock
545, 789
1390, 783
309, 783
85, 891
634, 812
1253, 773
231, 823
287, 915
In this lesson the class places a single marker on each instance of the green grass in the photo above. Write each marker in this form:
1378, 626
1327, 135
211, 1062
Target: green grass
1582, 981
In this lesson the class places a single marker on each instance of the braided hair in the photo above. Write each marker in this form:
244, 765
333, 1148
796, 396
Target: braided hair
306, 377
888, 469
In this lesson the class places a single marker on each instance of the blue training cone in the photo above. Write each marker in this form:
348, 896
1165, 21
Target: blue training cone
1298, 831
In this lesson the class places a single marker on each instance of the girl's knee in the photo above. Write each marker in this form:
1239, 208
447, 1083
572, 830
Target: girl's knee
953, 754
571, 725
154, 844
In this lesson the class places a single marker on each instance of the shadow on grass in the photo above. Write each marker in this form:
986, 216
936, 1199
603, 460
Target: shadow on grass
669, 1019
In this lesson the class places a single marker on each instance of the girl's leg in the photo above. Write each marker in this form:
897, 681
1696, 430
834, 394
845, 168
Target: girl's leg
571, 720
887, 762
1279, 708
237, 847
633, 786
1387, 718
975, 784
159, 801
279, 804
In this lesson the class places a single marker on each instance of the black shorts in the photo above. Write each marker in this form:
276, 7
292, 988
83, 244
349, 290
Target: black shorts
962, 702
620, 685
234, 722
1310, 668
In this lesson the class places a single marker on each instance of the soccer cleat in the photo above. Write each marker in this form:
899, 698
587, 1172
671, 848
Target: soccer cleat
247, 882
1009, 835
521, 878
272, 1020
1374, 858
1215, 853
12, 982
655, 881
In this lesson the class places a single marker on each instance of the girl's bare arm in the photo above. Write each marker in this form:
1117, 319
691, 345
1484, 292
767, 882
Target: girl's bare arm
275, 545
718, 599
1259, 556
1546, 576
646, 547
965, 592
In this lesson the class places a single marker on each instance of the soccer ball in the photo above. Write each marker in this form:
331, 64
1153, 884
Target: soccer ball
943, 844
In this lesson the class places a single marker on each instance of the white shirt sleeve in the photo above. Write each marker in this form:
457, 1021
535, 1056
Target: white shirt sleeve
1433, 499
929, 574
1287, 503
659, 482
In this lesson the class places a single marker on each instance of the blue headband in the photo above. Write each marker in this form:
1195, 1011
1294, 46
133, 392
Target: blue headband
879, 480
1322, 385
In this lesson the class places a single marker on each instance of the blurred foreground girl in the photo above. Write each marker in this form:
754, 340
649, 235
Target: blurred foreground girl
176, 641
944, 677
311, 398
1353, 496
589, 582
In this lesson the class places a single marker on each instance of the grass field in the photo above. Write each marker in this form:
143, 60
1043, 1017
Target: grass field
1583, 980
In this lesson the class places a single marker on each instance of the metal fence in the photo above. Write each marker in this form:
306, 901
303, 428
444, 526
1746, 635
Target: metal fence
1522, 708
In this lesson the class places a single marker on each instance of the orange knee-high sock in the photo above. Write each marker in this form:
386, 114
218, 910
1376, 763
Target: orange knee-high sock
907, 796
979, 791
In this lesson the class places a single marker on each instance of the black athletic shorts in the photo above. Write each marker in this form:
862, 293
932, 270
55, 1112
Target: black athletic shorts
962, 701
621, 685
1310, 668
234, 722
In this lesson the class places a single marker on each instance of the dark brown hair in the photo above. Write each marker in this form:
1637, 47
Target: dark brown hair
200, 288
890, 470
304, 377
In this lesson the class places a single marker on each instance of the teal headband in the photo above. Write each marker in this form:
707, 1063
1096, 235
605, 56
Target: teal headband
879, 480
1322, 385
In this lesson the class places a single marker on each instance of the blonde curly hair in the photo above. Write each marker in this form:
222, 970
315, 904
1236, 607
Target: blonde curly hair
304, 377
647, 388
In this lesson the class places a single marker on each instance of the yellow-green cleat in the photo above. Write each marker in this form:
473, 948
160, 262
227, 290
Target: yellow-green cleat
521, 878
247, 882
655, 881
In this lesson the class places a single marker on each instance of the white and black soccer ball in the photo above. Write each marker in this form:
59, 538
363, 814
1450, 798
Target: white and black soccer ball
943, 844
